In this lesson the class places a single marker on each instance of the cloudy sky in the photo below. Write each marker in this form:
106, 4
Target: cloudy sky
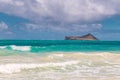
54, 19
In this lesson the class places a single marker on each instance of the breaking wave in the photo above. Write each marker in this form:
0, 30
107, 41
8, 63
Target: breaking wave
21, 48
18, 48
13, 68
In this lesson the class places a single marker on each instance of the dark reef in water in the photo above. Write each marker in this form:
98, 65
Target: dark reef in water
84, 37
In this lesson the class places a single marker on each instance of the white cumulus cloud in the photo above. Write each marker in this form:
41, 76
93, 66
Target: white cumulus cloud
61, 10
72, 13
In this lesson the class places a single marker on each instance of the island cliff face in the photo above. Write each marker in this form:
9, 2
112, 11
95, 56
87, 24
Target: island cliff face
84, 37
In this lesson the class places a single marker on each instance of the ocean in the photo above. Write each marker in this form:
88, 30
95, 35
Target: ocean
59, 60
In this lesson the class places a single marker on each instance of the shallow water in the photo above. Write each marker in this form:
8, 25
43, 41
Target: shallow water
66, 61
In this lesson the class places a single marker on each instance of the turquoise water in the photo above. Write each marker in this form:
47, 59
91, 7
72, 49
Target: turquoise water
59, 60
63, 45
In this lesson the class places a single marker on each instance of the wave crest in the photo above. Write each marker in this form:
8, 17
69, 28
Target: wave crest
13, 68
19, 48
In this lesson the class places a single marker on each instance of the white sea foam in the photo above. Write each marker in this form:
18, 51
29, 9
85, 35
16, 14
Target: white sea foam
21, 48
13, 68
56, 56
61, 66
3, 47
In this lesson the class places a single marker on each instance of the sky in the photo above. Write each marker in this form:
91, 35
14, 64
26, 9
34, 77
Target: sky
55, 19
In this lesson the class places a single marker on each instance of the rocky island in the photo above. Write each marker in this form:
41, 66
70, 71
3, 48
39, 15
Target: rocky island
84, 37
